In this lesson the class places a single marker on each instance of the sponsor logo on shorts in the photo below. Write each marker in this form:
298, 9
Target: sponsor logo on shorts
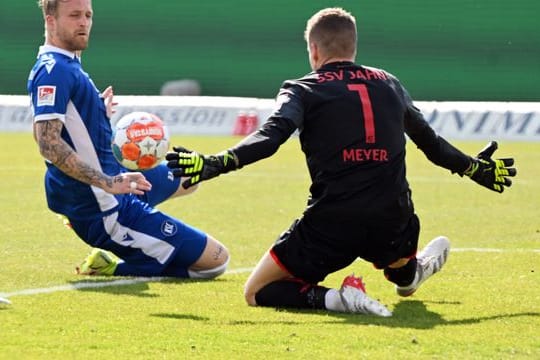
46, 95
169, 228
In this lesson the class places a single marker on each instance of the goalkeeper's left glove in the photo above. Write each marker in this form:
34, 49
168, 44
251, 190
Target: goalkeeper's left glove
490, 173
198, 167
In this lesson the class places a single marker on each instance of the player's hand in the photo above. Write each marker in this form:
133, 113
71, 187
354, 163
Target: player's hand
129, 182
198, 167
108, 98
493, 174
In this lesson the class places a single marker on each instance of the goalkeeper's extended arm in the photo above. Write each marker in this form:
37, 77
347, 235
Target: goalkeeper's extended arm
492, 174
198, 167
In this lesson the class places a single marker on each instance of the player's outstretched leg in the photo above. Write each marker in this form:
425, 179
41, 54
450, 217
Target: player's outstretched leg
355, 300
429, 261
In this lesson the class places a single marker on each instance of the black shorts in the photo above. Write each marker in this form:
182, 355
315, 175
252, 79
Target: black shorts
311, 248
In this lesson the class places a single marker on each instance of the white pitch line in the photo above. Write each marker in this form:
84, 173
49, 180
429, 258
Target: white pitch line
132, 281
491, 250
100, 284
84, 285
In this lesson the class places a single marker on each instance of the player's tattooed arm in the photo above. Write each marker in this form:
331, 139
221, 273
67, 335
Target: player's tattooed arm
53, 148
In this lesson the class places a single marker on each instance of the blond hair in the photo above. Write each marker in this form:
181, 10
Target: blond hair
49, 7
334, 32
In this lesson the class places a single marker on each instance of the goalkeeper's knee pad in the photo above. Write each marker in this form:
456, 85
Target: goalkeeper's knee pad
209, 273
402, 276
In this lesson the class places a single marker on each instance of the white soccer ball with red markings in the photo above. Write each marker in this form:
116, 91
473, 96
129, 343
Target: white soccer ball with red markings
140, 141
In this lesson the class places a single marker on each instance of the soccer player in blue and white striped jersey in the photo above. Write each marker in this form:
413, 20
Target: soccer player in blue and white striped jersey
108, 207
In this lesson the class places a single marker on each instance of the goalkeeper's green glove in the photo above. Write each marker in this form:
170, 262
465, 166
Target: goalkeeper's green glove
198, 167
492, 174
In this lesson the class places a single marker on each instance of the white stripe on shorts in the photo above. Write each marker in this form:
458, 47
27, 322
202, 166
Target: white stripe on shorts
150, 246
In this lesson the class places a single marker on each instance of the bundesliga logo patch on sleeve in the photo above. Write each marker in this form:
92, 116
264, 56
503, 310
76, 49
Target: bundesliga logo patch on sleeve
46, 95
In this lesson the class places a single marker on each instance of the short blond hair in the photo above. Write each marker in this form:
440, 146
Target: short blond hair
49, 7
334, 31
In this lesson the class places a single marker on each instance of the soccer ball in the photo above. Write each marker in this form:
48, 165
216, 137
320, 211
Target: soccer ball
140, 141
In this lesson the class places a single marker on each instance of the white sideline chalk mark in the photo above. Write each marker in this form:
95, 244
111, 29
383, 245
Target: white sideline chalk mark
100, 284
132, 281
491, 250
239, 270
84, 285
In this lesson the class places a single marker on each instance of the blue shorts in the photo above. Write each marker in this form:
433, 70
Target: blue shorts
164, 185
150, 242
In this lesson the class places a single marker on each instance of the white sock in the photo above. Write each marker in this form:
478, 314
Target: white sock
332, 301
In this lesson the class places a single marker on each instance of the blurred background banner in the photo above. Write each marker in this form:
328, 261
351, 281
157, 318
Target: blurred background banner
227, 115
463, 50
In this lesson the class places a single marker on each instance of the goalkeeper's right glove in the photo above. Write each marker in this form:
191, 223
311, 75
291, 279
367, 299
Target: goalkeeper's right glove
198, 167
492, 174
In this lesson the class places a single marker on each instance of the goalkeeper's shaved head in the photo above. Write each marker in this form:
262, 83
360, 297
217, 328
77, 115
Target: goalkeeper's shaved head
334, 32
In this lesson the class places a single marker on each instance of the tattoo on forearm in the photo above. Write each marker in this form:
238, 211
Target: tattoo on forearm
57, 151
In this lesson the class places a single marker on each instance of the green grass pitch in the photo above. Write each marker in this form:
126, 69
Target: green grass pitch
485, 304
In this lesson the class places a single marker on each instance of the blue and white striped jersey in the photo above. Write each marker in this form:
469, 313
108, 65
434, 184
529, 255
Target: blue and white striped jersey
60, 89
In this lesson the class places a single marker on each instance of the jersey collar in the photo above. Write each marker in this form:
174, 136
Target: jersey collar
49, 48
338, 64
